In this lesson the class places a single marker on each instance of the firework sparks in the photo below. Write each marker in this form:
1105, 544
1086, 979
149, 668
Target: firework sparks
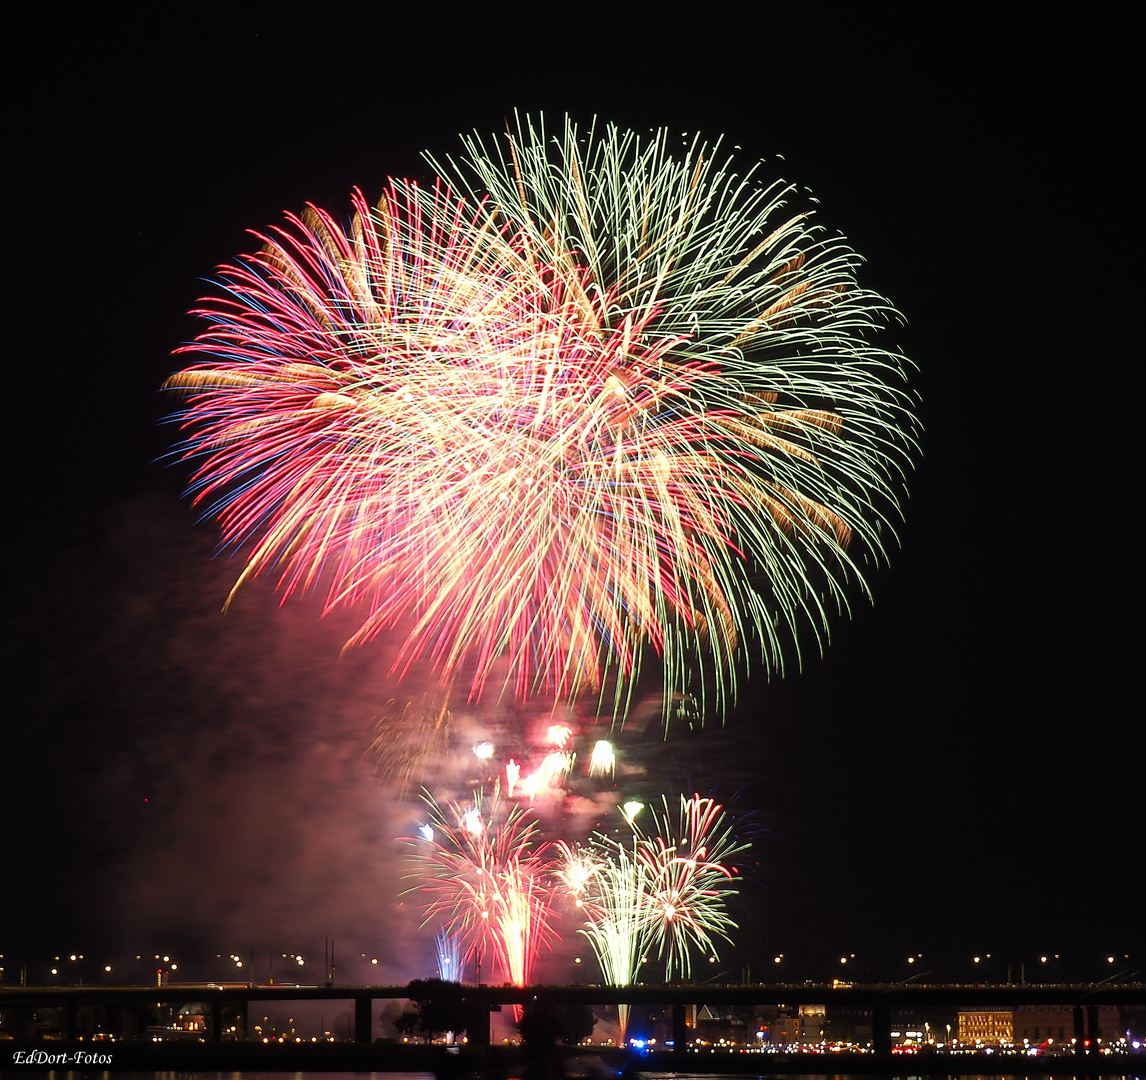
603, 760
577, 869
549, 775
407, 733
609, 882
690, 879
646, 364
487, 878
451, 966
666, 892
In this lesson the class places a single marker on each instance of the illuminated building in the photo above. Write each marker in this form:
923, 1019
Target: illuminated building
721, 1023
811, 1023
986, 1027
1035, 1024
806, 1027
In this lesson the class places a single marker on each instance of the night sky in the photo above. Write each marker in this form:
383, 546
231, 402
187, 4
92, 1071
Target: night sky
959, 774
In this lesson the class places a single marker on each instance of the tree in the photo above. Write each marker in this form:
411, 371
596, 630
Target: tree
542, 1023
437, 1008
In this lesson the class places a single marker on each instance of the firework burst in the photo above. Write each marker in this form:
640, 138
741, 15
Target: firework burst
451, 965
667, 891
407, 733
488, 880
606, 398
690, 879
609, 884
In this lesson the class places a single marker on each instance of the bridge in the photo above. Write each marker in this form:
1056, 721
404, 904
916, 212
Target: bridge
226, 1005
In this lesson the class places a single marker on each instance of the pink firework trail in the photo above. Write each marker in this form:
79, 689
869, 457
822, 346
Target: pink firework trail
389, 399
488, 882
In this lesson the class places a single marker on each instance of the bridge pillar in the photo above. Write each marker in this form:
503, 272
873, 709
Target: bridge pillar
233, 1011
363, 1018
215, 1020
1092, 1028
68, 1018
1079, 1032
22, 1022
680, 1027
477, 1024
881, 1029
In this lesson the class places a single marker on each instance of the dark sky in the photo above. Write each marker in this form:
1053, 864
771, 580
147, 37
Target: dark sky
956, 775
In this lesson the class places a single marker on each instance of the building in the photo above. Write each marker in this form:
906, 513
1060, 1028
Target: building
721, 1024
1037, 1024
806, 1028
986, 1027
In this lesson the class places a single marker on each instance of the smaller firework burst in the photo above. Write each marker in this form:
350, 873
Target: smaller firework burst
408, 732
451, 964
487, 876
577, 868
550, 774
666, 892
558, 735
688, 858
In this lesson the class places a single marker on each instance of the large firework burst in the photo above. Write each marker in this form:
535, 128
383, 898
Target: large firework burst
606, 398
